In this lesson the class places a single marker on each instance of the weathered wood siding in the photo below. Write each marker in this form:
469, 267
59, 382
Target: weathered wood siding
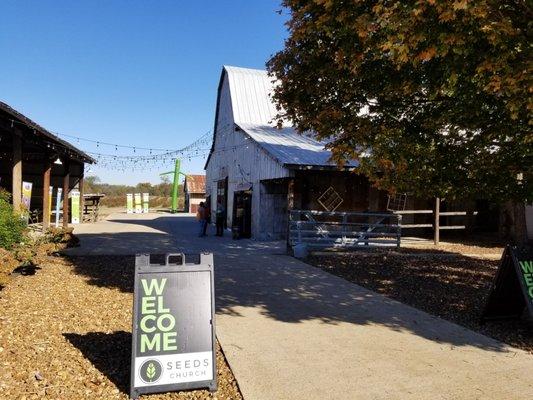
238, 157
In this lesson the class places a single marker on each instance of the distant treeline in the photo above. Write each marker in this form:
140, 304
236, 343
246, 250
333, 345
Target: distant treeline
116, 194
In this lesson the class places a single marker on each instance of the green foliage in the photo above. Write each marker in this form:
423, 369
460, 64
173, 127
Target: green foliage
432, 97
12, 226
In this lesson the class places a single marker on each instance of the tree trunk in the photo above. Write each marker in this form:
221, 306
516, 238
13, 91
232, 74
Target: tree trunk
513, 226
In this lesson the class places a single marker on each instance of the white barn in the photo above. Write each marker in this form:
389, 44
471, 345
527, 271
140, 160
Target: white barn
255, 168
258, 172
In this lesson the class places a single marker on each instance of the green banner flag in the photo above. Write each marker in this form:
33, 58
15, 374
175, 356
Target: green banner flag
129, 203
138, 203
75, 206
146, 202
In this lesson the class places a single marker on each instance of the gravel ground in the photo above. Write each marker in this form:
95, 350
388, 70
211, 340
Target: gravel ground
441, 282
65, 333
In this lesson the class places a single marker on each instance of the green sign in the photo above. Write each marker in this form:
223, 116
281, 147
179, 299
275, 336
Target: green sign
129, 203
512, 290
146, 202
75, 206
138, 203
173, 335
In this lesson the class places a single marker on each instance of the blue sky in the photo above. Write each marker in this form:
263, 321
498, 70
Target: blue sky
140, 73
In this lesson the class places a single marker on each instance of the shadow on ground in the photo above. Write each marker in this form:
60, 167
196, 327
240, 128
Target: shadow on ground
252, 274
108, 352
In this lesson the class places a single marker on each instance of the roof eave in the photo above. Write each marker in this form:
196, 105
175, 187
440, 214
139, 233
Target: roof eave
320, 167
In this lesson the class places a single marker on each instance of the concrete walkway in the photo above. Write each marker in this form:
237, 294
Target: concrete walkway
292, 331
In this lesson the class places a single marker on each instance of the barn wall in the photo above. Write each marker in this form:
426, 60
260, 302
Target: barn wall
239, 158
273, 209
352, 188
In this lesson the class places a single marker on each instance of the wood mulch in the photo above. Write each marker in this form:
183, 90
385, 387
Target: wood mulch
440, 281
65, 333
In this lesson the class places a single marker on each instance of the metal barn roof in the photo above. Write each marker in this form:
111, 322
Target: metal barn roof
255, 113
195, 184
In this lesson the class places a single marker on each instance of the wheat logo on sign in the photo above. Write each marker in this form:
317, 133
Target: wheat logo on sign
150, 371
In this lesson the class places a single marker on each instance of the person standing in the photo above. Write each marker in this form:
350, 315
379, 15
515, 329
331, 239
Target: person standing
207, 212
220, 217
201, 217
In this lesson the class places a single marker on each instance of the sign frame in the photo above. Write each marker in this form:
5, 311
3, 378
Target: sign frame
509, 296
143, 266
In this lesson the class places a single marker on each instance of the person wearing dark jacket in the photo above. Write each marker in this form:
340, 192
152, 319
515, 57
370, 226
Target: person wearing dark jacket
220, 217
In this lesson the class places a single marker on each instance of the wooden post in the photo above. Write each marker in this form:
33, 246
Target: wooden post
66, 189
17, 172
46, 193
80, 185
436, 225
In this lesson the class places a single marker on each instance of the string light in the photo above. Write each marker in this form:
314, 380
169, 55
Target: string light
156, 158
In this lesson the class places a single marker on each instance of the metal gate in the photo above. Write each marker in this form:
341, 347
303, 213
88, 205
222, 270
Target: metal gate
324, 229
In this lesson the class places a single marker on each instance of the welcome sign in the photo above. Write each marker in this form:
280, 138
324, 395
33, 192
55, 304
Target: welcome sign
512, 290
173, 334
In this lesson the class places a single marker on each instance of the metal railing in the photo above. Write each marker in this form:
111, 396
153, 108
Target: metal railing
344, 229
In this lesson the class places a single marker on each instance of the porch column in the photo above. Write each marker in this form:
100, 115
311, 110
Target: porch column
66, 190
17, 172
46, 192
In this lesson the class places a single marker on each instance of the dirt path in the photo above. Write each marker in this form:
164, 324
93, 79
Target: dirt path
65, 335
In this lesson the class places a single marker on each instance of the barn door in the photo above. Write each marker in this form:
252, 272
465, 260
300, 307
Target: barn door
242, 213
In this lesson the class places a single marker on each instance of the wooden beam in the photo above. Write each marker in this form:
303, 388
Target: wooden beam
66, 190
436, 226
46, 194
17, 172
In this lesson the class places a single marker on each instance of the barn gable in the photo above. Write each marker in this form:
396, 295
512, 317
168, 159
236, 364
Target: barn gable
251, 160
244, 100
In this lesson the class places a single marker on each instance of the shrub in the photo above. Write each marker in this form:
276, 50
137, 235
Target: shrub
12, 226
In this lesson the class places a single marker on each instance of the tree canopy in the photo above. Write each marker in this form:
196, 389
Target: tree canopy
433, 97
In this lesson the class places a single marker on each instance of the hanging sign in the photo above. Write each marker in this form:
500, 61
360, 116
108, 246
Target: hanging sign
26, 198
138, 203
75, 206
129, 203
58, 205
512, 290
146, 202
173, 340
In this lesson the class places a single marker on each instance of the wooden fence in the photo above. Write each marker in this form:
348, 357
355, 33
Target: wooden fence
435, 223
